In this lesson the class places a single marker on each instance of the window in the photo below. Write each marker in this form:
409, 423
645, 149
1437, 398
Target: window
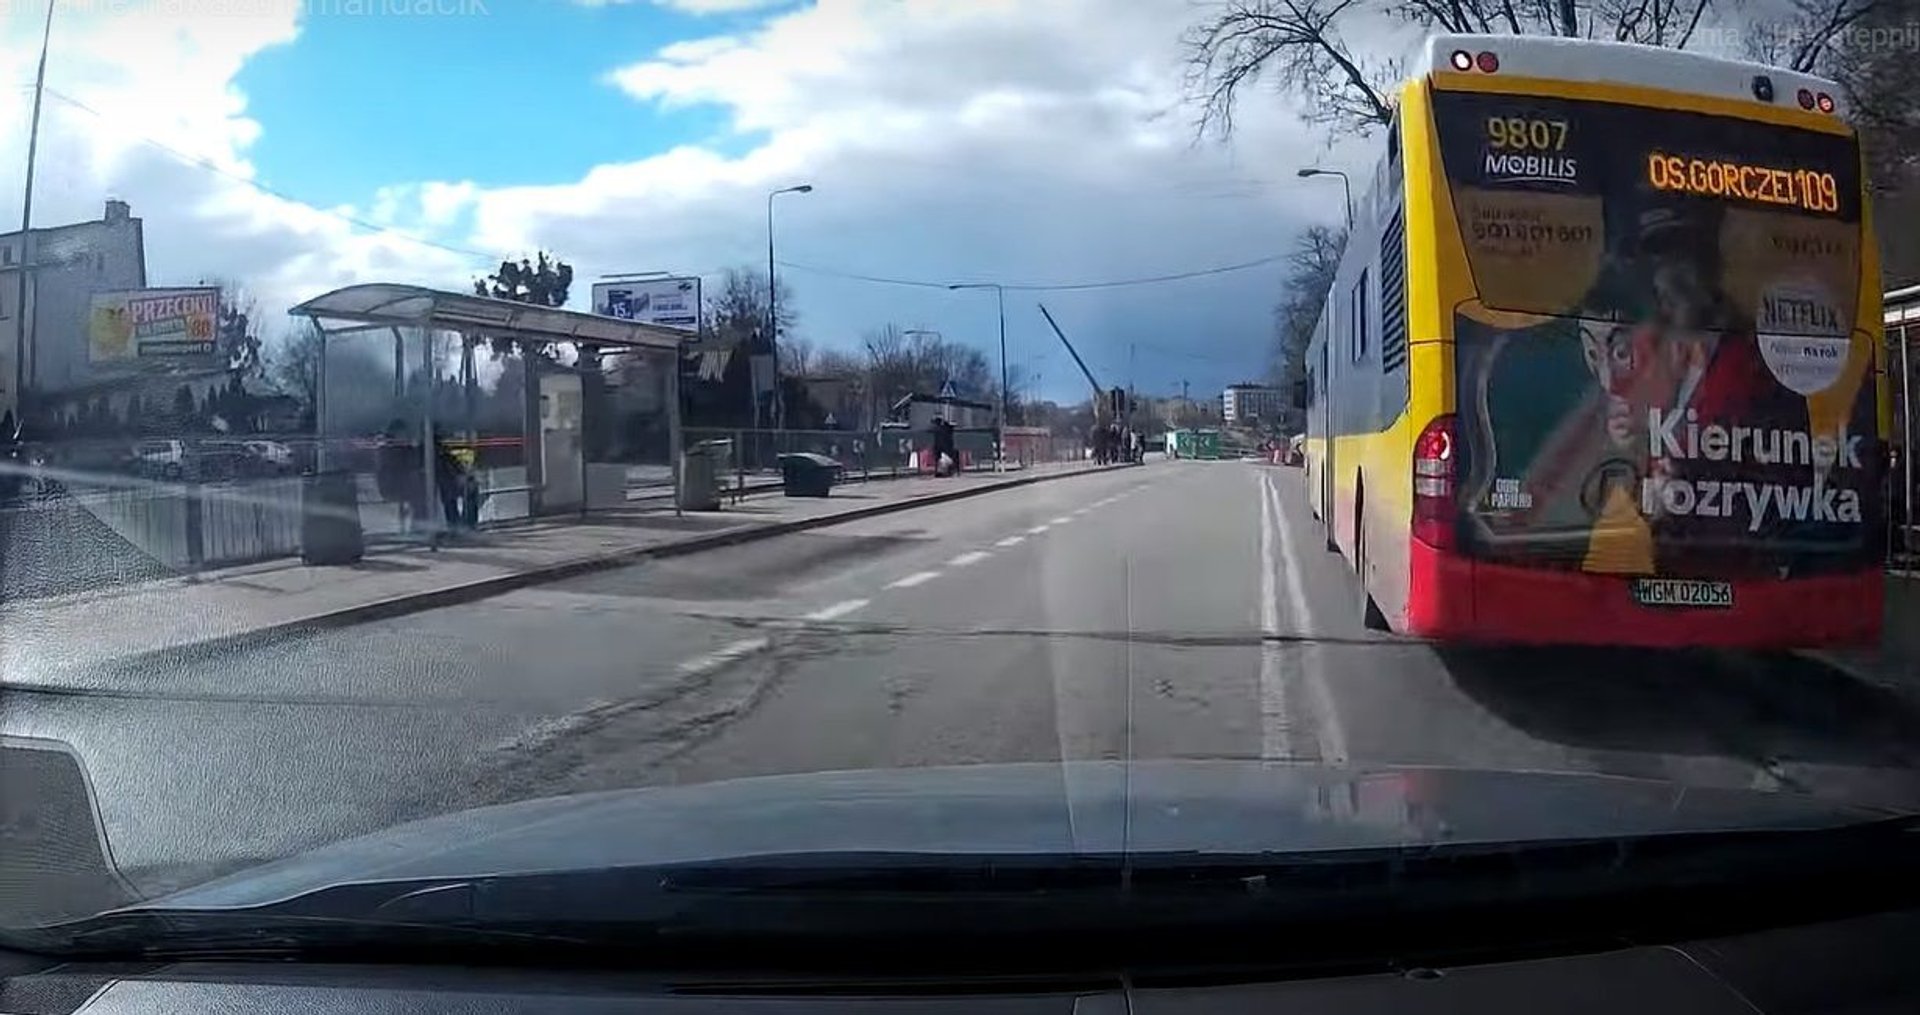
1358, 318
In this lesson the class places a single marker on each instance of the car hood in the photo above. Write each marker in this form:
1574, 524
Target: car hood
1088, 808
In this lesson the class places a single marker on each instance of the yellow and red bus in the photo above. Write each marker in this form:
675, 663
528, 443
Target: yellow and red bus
1602, 361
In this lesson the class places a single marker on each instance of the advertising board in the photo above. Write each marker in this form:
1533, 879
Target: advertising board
668, 302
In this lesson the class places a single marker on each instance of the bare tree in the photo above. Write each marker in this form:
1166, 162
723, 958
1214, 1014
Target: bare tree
295, 365
1807, 35
738, 309
1298, 46
1310, 269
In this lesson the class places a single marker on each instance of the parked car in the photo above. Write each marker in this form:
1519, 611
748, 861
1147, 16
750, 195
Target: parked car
166, 459
273, 454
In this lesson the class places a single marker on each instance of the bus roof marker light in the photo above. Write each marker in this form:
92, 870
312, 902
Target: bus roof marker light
1806, 98
1826, 103
1763, 88
1462, 60
1487, 62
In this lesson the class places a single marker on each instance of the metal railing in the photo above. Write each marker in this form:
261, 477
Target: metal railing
868, 454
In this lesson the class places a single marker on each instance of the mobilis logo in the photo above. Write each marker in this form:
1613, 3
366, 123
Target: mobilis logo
1508, 167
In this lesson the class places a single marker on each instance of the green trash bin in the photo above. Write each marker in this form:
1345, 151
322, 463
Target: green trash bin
805, 474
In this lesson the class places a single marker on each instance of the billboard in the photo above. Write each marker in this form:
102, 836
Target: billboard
667, 302
136, 324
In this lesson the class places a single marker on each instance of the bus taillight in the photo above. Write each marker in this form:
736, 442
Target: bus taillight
1433, 471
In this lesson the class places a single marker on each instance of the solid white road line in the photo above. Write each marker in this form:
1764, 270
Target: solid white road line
1276, 725
1037, 529
837, 610
966, 559
1062, 520
725, 654
916, 578
1333, 737
1011, 541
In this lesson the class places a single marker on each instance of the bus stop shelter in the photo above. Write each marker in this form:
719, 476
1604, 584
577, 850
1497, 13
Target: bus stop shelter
434, 336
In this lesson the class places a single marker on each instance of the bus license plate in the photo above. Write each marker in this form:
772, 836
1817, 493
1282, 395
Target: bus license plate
1680, 592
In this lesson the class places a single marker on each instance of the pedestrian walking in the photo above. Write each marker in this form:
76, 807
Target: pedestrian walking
397, 474
946, 452
449, 480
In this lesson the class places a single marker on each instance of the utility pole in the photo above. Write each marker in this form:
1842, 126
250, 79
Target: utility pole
21, 341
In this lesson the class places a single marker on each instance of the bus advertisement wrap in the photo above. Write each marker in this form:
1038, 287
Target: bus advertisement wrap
1663, 372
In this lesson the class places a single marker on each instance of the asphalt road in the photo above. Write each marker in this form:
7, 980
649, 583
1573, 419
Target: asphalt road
1181, 609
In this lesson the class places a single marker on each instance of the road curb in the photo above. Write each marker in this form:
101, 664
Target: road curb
419, 602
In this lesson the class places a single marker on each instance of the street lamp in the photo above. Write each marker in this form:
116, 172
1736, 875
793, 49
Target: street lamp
1000, 428
773, 308
1345, 185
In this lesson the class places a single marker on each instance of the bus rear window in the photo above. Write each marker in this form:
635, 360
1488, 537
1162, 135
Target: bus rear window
1600, 210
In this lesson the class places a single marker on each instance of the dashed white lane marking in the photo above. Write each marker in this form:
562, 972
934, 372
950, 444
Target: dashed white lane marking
1011, 541
1276, 725
725, 654
916, 578
965, 559
837, 610
1037, 529
1333, 737
1062, 520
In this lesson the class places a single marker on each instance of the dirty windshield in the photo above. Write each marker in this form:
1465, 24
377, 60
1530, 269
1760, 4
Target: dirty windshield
473, 436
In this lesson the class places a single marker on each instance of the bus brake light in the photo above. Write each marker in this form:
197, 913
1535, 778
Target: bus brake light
1434, 463
1487, 62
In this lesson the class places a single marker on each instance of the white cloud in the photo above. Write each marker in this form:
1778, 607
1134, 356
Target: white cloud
694, 6
963, 140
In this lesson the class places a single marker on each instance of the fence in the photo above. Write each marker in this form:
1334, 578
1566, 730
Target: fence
869, 454
190, 527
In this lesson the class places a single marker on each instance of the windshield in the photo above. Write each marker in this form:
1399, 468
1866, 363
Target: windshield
813, 440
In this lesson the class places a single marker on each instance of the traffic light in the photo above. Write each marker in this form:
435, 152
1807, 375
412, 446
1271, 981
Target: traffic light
1117, 402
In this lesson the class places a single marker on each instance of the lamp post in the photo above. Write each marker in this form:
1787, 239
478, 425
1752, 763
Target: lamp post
1345, 185
773, 308
1000, 428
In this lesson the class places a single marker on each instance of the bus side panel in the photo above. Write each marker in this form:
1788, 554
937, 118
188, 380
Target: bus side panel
1438, 280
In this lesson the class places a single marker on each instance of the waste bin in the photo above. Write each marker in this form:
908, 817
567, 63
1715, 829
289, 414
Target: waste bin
330, 531
804, 474
700, 469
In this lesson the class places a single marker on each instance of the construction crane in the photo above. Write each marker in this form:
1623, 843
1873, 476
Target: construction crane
1110, 406
1107, 405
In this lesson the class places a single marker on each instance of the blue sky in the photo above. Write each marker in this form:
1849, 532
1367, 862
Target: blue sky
513, 97
970, 140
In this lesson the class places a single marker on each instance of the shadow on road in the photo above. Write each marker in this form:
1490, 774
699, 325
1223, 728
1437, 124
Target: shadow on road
1759, 707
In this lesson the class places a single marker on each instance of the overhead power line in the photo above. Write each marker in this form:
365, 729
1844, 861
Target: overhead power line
1051, 287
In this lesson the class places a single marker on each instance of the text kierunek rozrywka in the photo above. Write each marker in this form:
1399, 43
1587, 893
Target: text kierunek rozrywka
1677, 435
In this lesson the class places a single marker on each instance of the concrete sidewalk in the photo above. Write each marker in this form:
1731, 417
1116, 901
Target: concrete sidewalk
279, 598
1896, 664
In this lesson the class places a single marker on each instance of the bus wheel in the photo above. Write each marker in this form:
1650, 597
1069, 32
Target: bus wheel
1370, 615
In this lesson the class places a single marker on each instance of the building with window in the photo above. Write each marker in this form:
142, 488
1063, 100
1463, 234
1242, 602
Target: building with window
65, 266
1251, 404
